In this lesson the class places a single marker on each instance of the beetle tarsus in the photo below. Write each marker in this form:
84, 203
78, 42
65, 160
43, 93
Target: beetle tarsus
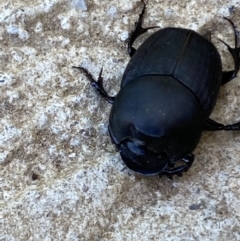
139, 30
235, 52
97, 85
211, 125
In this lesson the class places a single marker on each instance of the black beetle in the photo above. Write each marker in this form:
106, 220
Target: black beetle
168, 90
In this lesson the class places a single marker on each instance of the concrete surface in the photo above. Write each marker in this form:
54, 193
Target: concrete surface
60, 176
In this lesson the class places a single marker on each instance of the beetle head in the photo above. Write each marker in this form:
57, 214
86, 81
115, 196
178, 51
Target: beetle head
142, 158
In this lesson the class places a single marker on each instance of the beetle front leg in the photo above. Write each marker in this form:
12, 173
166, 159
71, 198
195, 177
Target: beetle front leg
188, 161
139, 30
235, 52
97, 85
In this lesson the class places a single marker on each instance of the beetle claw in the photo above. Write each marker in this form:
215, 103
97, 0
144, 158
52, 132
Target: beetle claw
235, 52
139, 30
97, 85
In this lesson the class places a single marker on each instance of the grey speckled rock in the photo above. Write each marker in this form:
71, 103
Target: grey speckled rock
60, 176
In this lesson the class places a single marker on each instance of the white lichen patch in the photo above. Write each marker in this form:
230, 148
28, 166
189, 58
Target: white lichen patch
80, 4
42, 121
8, 133
7, 79
3, 156
64, 21
38, 27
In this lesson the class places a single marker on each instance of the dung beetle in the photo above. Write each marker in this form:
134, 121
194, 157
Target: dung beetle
168, 90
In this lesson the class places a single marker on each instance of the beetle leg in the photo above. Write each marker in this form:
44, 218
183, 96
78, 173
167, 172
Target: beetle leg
97, 85
188, 161
211, 125
235, 52
139, 30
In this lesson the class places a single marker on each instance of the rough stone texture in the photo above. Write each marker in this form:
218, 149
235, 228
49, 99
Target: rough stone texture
60, 176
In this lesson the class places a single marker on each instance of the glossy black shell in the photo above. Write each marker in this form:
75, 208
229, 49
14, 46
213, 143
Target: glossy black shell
183, 54
168, 89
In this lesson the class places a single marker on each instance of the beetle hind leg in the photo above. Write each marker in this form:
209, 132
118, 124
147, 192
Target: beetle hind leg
235, 52
171, 171
97, 84
211, 125
139, 30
